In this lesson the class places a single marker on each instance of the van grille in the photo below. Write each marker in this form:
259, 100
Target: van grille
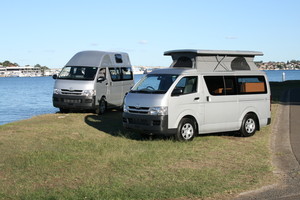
71, 92
139, 110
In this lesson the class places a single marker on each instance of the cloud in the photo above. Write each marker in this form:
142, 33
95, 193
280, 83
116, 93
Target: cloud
49, 51
231, 38
94, 44
143, 42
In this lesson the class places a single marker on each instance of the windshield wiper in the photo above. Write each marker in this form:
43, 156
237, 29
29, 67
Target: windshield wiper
148, 91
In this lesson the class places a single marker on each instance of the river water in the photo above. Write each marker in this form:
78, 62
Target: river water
25, 97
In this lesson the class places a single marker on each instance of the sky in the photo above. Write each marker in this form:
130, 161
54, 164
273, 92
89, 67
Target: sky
50, 32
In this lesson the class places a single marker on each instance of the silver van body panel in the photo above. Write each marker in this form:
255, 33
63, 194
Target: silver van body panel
74, 85
112, 91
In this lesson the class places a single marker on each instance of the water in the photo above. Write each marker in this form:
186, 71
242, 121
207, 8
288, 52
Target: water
276, 75
25, 97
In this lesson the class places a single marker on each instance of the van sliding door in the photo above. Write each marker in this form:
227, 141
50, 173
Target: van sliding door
221, 104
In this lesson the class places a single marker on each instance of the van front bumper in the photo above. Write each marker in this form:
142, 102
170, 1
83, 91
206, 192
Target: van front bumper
73, 101
149, 124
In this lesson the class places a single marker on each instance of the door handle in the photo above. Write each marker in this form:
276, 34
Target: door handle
196, 98
208, 98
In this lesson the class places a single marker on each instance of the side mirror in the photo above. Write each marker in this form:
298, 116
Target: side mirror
54, 76
101, 78
177, 92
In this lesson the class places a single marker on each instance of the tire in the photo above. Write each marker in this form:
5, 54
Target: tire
186, 130
249, 125
102, 106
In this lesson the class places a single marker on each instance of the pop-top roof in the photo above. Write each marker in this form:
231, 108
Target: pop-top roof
213, 60
215, 52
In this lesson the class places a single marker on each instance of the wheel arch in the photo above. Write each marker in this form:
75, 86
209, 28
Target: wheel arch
256, 119
194, 120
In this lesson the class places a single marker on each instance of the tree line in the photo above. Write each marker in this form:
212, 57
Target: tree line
11, 64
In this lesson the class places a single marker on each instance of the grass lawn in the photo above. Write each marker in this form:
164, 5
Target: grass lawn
85, 156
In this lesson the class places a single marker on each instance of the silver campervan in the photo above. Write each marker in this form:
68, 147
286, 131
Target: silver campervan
93, 80
203, 91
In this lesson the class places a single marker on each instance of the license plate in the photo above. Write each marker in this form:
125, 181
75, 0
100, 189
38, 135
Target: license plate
72, 100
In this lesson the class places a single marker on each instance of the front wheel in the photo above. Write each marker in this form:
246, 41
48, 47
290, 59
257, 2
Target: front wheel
186, 130
249, 125
102, 106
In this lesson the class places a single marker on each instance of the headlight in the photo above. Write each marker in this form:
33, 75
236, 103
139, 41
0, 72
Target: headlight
88, 93
163, 110
125, 108
57, 91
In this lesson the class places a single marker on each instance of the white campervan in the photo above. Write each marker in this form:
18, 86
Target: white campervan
203, 91
93, 80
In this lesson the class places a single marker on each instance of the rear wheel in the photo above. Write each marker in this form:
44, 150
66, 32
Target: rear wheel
249, 125
186, 130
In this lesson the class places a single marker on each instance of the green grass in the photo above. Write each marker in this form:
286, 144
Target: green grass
84, 156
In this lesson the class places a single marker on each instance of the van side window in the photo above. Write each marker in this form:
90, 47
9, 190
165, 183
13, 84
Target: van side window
126, 73
115, 74
251, 85
188, 84
230, 85
215, 85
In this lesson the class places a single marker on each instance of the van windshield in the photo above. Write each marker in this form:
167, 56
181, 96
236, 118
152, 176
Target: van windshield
78, 73
154, 83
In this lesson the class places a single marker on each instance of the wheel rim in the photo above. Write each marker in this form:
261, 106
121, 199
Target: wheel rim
250, 125
187, 131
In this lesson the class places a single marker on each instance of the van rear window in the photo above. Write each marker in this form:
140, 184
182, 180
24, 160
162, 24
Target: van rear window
232, 85
251, 85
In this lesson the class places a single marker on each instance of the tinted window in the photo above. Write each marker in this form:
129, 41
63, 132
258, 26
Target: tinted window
126, 73
115, 74
230, 86
78, 73
215, 85
154, 83
251, 84
118, 58
187, 84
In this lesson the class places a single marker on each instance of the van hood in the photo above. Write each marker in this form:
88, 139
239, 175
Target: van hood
145, 100
73, 85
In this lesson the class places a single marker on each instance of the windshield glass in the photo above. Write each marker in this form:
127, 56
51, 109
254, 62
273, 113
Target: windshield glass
154, 83
78, 73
